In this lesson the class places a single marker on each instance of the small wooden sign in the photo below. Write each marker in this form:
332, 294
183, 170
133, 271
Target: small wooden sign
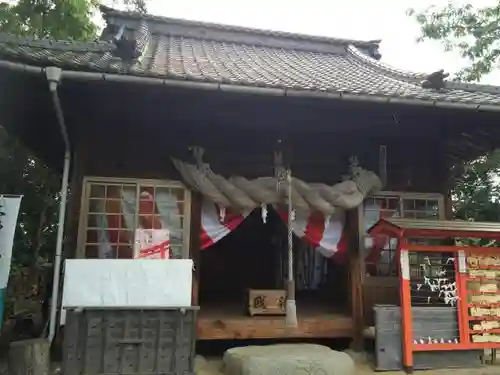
266, 302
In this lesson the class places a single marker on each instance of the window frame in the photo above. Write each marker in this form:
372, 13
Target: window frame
402, 196
85, 201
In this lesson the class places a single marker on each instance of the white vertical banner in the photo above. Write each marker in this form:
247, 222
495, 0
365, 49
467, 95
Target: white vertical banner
462, 262
405, 264
9, 211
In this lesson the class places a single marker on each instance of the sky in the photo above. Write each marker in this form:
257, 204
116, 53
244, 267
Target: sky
353, 19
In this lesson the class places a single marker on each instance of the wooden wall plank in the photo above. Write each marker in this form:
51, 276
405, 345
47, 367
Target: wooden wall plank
194, 243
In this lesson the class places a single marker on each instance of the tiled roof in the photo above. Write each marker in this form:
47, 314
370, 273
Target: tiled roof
113, 15
201, 52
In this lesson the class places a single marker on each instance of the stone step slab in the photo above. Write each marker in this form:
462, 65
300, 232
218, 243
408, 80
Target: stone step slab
287, 359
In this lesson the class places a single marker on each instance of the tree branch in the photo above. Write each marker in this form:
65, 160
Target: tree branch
473, 32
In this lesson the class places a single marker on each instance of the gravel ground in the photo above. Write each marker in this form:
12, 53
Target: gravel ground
213, 366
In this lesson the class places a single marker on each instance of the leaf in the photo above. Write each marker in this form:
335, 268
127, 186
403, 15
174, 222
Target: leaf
473, 32
476, 195
20, 172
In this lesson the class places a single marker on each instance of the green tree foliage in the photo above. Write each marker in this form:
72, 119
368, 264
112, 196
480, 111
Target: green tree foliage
20, 172
56, 19
477, 192
50, 19
476, 195
473, 32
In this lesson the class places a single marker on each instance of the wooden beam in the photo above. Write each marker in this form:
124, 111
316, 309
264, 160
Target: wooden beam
355, 280
224, 323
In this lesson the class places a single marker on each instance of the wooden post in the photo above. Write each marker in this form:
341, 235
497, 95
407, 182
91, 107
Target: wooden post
29, 357
446, 190
355, 280
194, 243
446, 179
405, 302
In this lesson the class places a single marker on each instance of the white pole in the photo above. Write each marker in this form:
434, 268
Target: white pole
59, 246
291, 306
53, 75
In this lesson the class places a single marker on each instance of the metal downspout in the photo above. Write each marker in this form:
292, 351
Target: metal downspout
53, 75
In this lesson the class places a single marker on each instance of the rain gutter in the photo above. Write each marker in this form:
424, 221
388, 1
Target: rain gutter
209, 86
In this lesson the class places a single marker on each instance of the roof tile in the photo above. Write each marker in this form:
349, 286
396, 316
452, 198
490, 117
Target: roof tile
221, 61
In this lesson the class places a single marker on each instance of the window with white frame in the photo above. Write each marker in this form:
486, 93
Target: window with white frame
380, 252
116, 214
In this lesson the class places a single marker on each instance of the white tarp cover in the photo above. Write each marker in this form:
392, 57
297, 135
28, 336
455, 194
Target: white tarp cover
127, 283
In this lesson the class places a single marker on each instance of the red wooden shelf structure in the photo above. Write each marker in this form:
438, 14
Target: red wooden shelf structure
477, 278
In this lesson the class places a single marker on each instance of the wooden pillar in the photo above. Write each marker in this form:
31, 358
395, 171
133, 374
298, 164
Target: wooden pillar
194, 243
448, 205
355, 279
446, 190
446, 177
29, 357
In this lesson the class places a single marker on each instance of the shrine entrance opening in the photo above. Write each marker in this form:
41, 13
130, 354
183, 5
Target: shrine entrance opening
250, 263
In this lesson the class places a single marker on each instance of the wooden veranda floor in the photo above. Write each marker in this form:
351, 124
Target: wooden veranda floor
229, 322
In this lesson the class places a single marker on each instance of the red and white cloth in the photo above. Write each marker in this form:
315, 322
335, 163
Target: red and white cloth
328, 236
215, 226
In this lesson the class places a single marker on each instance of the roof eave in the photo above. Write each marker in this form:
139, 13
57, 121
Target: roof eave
247, 89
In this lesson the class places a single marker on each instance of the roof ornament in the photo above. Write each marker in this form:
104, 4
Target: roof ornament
374, 53
205, 170
119, 34
131, 49
354, 168
126, 49
435, 80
